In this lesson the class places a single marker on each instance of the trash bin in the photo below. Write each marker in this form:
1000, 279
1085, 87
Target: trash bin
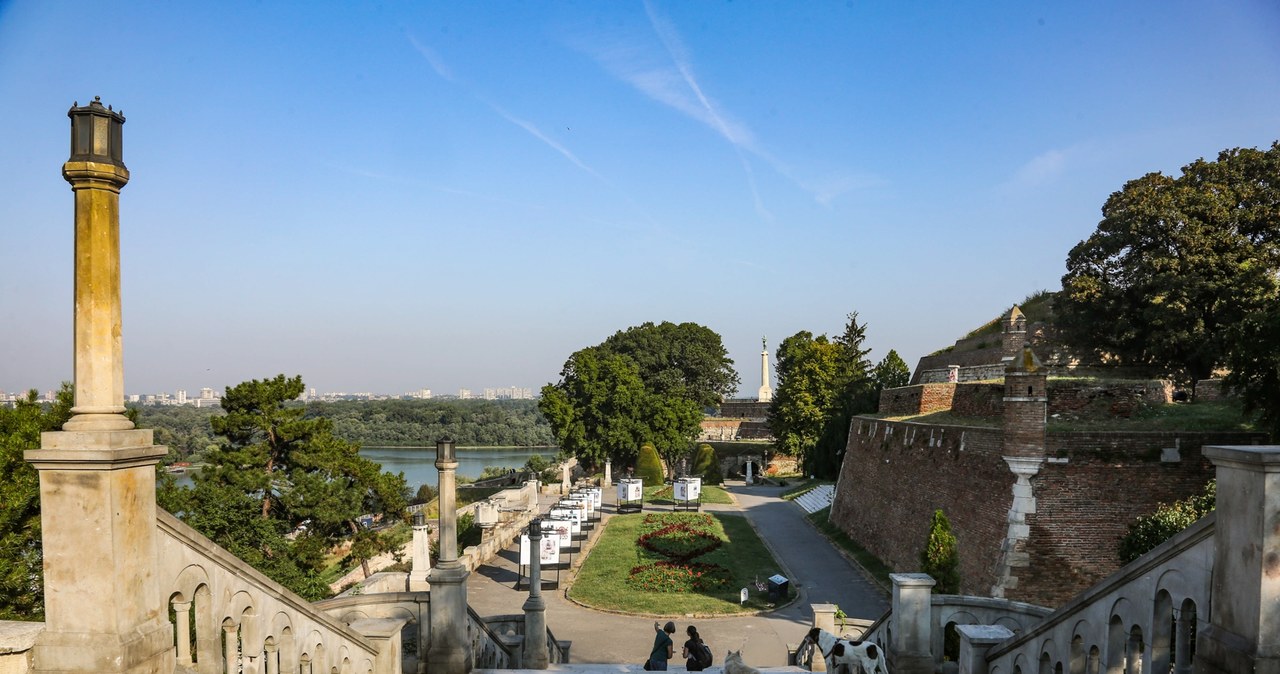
779, 587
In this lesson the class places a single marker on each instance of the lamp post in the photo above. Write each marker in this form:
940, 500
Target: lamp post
535, 608
449, 652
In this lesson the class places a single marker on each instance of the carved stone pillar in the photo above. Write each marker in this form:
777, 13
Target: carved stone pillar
421, 555
912, 623
450, 651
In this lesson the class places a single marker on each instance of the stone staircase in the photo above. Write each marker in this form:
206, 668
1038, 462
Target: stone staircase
817, 498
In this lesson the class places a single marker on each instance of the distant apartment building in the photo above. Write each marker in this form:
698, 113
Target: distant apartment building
182, 396
420, 394
508, 393
464, 394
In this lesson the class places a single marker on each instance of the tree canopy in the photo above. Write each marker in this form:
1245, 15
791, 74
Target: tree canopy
891, 371
281, 489
1176, 264
822, 383
645, 384
21, 557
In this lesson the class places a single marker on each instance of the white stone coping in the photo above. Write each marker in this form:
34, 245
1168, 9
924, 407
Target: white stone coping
18, 636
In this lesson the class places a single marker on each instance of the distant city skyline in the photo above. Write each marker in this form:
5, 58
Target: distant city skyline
450, 195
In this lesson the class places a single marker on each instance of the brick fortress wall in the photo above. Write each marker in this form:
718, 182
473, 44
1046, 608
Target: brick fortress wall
895, 474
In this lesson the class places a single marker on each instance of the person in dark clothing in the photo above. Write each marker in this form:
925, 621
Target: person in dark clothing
692, 650
663, 647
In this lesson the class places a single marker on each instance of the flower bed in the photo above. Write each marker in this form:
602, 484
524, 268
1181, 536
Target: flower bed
678, 577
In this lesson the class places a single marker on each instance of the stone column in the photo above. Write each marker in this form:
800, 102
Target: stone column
231, 647
1184, 627
182, 615
535, 608
564, 478
608, 472
912, 623
421, 554
1244, 622
750, 463
824, 616
450, 651
975, 641
103, 607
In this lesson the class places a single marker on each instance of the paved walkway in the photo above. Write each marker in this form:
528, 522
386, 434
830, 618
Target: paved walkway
818, 573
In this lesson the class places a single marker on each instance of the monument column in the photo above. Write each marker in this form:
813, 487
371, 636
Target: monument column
535, 608
765, 394
450, 651
103, 607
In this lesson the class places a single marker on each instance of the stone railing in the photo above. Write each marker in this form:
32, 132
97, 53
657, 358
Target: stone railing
229, 617
1142, 618
16, 641
510, 629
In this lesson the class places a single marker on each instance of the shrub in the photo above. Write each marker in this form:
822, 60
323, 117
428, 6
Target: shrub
706, 466
426, 494
939, 557
649, 466
1152, 530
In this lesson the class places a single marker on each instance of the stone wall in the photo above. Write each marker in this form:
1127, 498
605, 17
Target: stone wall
744, 409
968, 373
917, 399
1208, 390
961, 358
979, 400
895, 474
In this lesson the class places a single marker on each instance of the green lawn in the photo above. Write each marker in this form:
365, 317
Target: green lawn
664, 495
602, 581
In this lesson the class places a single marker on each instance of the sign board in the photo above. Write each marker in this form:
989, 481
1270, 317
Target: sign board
563, 529
742, 597
550, 551
524, 549
585, 499
597, 496
570, 515
688, 488
630, 490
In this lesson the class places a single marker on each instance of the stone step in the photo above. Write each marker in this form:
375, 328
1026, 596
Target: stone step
599, 668
817, 498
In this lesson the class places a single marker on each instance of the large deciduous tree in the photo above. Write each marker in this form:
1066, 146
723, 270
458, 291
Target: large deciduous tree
822, 384
891, 371
21, 557
282, 489
648, 383
1176, 264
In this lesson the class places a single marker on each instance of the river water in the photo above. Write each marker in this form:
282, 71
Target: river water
418, 463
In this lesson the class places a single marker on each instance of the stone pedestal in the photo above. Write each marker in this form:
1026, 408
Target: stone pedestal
1244, 626
418, 575
608, 473
975, 641
103, 609
912, 623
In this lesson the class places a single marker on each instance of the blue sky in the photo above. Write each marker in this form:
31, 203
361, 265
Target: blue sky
442, 195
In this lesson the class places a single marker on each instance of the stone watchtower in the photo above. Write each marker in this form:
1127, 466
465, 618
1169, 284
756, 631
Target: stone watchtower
1023, 448
1013, 333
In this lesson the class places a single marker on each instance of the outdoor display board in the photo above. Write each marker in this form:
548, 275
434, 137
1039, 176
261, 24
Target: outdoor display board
630, 489
562, 528
688, 488
570, 515
586, 500
549, 549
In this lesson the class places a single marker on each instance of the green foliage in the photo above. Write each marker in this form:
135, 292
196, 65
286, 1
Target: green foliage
1176, 264
1255, 365
821, 384
1151, 530
278, 472
184, 429
706, 465
426, 494
891, 371
686, 361
419, 423
646, 384
649, 466
940, 558
21, 557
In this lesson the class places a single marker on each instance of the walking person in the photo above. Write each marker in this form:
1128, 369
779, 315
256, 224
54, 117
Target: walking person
696, 655
663, 647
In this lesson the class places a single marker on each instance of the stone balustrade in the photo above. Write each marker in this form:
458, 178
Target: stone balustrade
229, 617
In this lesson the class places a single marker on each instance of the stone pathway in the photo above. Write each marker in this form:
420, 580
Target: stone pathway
818, 573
